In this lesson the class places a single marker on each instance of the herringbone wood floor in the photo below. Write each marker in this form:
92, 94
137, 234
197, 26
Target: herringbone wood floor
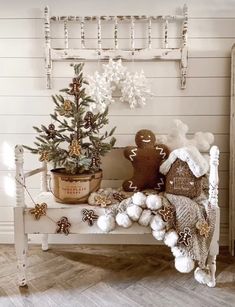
110, 276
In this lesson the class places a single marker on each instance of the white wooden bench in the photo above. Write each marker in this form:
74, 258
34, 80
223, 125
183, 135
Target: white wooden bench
25, 223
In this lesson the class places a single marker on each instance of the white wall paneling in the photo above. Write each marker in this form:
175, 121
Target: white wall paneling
203, 105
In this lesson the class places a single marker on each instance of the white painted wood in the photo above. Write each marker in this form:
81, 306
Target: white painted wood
214, 124
45, 242
82, 33
58, 54
25, 223
199, 47
48, 60
66, 35
210, 37
196, 87
212, 27
21, 245
19, 176
232, 160
213, 199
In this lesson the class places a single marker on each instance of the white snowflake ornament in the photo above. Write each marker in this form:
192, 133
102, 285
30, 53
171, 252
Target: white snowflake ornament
114, 71
100, 91
135, 89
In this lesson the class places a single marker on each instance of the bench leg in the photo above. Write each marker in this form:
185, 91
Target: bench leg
214, 250
45, 242
212, 267
21, 246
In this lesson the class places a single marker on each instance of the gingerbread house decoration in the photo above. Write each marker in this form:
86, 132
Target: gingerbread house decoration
184, 170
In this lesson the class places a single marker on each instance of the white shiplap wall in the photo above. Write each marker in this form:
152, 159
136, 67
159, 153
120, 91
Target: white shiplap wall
204, 105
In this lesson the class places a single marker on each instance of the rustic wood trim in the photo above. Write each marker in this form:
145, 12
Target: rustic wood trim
116, 33
20, 178
82, 34
232, 158
99, 41
132, 34
48, 61
166, 34
147, 53
105, 54
149, 33
21, 245
33, 172
66, 36
213, 200
121, 18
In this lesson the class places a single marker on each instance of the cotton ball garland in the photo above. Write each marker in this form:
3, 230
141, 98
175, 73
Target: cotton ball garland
139, 199
134, 212
159, 234
202, 276
123, 220
171, 238
154, 202
176, 251
145, 218
106, 223
184, 264
157, 223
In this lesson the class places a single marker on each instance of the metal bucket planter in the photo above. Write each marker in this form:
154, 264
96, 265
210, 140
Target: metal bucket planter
74, 189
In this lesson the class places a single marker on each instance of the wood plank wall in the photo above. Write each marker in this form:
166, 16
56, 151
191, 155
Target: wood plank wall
203, 105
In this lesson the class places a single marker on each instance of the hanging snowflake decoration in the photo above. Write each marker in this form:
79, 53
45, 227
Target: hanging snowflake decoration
133, 87
114, 71
100, 90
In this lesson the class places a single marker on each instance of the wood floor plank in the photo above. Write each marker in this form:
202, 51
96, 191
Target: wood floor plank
112, 276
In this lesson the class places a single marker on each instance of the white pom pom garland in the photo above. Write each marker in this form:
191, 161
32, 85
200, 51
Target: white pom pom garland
176, 251
184, 264
134, 212
122, 219
154, 202
106, 223
145, 218
158, 234
171, 238
139, 199
157, 223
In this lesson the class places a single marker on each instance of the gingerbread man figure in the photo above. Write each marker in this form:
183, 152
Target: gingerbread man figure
146, 159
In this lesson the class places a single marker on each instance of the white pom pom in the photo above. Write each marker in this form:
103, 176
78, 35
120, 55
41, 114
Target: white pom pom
139, 199
134, 212
176, 251
154, 202
184, 264
171, 238
157, 223
106, 223
145, 218
202, 276
123, 220
158, 234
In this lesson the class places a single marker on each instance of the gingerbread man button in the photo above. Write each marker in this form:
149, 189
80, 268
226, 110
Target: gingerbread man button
146, 159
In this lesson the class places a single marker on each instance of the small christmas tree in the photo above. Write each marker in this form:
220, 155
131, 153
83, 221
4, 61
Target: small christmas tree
76, 144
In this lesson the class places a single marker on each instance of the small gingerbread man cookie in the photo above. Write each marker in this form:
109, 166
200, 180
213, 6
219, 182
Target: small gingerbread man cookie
146, 159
